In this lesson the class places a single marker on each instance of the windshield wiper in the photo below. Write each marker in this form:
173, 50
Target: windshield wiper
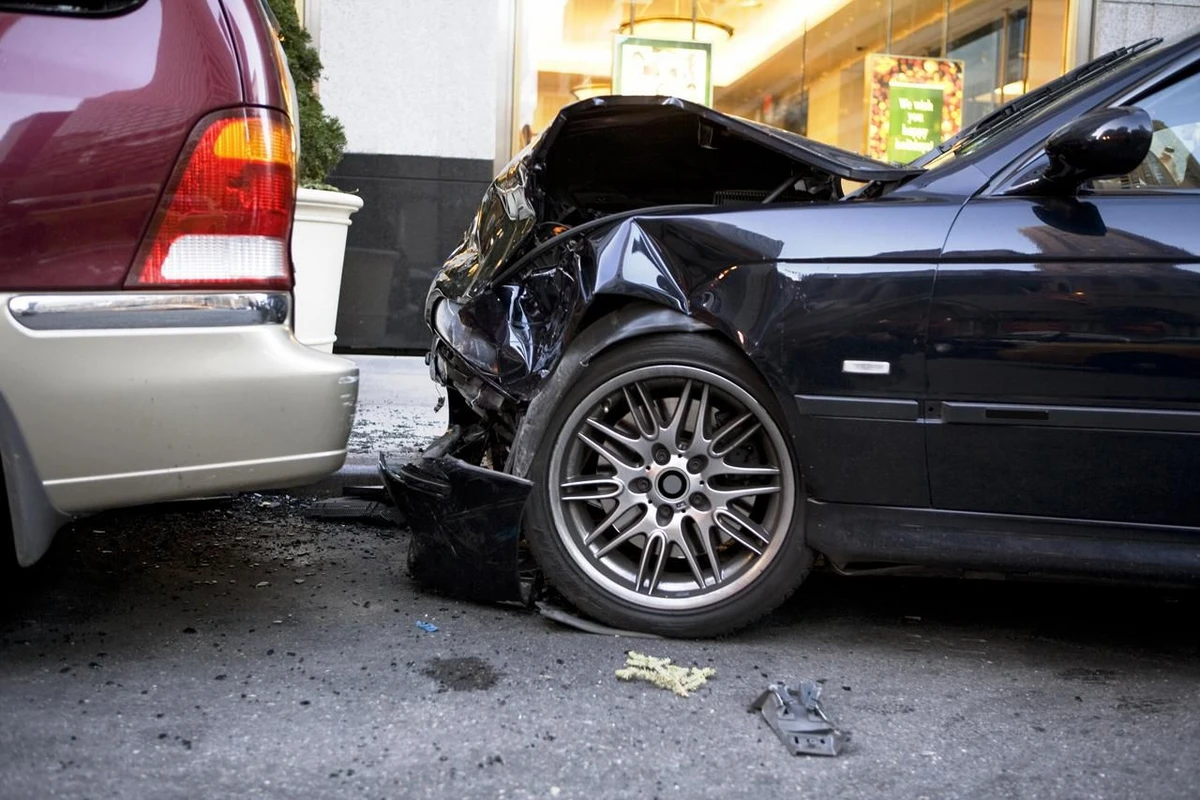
1040, 95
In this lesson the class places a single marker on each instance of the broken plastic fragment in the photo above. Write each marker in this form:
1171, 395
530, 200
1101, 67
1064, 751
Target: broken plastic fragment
663, 674
559, 615
428, 627
798, 721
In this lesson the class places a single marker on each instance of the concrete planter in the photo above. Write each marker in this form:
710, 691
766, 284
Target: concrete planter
318, 252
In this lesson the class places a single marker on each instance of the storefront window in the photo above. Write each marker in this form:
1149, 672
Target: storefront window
852, 73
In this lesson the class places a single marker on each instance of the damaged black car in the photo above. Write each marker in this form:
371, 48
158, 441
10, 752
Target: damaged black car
689, 354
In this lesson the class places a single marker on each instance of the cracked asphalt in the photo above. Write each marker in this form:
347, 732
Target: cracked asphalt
237, 647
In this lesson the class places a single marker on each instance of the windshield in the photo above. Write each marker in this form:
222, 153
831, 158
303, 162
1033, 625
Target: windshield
976, 134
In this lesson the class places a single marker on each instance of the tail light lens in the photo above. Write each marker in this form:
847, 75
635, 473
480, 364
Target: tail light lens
226, 218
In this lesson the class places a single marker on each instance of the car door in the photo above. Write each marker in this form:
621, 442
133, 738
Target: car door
1064, 342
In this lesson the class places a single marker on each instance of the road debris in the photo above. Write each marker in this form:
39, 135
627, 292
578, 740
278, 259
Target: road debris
564, 617
663, 674
428, 627
798, 721
261, 584
373, 509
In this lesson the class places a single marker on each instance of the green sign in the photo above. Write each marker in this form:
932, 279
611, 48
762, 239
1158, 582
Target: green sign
914, 120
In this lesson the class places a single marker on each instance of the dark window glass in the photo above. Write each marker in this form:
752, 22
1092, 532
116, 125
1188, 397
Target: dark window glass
70, 7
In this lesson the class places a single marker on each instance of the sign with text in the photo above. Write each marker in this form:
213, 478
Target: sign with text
914, 120
913, 104
661, 67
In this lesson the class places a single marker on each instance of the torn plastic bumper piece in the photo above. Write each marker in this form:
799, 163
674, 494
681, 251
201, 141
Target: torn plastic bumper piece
465, 520
798, 721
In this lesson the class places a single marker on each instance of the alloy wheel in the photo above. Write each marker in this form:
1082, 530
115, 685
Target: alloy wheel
671, 487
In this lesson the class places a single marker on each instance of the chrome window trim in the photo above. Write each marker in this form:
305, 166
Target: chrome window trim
129, 310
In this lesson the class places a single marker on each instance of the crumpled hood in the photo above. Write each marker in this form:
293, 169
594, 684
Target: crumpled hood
605, 157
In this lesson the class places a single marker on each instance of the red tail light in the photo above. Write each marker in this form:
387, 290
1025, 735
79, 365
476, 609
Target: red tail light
226, 218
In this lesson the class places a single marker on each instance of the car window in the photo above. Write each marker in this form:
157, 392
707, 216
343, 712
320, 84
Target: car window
1173, 162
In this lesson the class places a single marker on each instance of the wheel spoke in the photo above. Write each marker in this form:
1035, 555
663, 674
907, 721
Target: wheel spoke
735, 492
725, 468
656, 543
664, 549
604, 524
692, 563
644, 415
720, 452
677, 419
733, 524
592, 488
605, 453
633, 530
711, 552
613, 433
702, 416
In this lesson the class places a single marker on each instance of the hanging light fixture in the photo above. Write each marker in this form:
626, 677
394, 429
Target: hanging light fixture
592, 87
677, 27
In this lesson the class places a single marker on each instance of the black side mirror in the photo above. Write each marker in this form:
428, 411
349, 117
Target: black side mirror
1100, 144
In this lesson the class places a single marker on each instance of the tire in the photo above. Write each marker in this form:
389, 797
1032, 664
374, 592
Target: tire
636, 510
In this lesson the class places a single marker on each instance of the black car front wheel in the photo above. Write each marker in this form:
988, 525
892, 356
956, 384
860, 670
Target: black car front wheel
665, 494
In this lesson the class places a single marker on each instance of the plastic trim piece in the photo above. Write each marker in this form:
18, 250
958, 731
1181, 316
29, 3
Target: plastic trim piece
858, 407
1121, 419
848, 534
130, 310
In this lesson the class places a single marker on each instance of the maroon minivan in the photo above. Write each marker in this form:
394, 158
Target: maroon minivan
147, 186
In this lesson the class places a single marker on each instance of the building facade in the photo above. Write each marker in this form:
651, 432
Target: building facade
436, 95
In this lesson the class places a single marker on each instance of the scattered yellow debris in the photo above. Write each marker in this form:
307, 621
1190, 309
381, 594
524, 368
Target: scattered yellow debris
663, 674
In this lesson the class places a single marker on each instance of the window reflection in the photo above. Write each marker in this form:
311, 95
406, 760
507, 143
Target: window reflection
797, 65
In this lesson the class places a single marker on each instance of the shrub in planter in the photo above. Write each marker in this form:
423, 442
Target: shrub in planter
322, 211
322, 138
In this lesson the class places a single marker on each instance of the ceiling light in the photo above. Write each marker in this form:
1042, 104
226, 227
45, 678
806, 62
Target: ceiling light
592, 88
679, 27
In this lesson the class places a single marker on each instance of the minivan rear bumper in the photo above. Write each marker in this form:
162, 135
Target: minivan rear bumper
122, 399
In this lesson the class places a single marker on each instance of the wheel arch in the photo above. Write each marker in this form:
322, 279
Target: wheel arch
610, 320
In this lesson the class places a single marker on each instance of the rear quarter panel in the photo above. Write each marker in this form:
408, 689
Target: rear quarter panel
93, 114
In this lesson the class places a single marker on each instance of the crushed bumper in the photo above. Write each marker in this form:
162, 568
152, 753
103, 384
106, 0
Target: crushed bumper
465, 520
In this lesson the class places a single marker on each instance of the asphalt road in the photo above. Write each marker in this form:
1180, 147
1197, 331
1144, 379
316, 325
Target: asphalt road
242, 649
239, 648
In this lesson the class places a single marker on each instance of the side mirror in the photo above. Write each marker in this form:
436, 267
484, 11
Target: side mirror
1100, 144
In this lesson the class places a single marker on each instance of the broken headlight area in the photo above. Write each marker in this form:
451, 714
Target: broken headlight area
499, 347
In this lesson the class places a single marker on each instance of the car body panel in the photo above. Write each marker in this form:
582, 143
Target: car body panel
891, 324
88, 139
262, 69
150, 405
1085, 313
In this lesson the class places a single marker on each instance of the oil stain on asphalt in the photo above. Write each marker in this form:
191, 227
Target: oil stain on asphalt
467, 674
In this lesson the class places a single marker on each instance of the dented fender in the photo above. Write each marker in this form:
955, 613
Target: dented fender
626, 323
